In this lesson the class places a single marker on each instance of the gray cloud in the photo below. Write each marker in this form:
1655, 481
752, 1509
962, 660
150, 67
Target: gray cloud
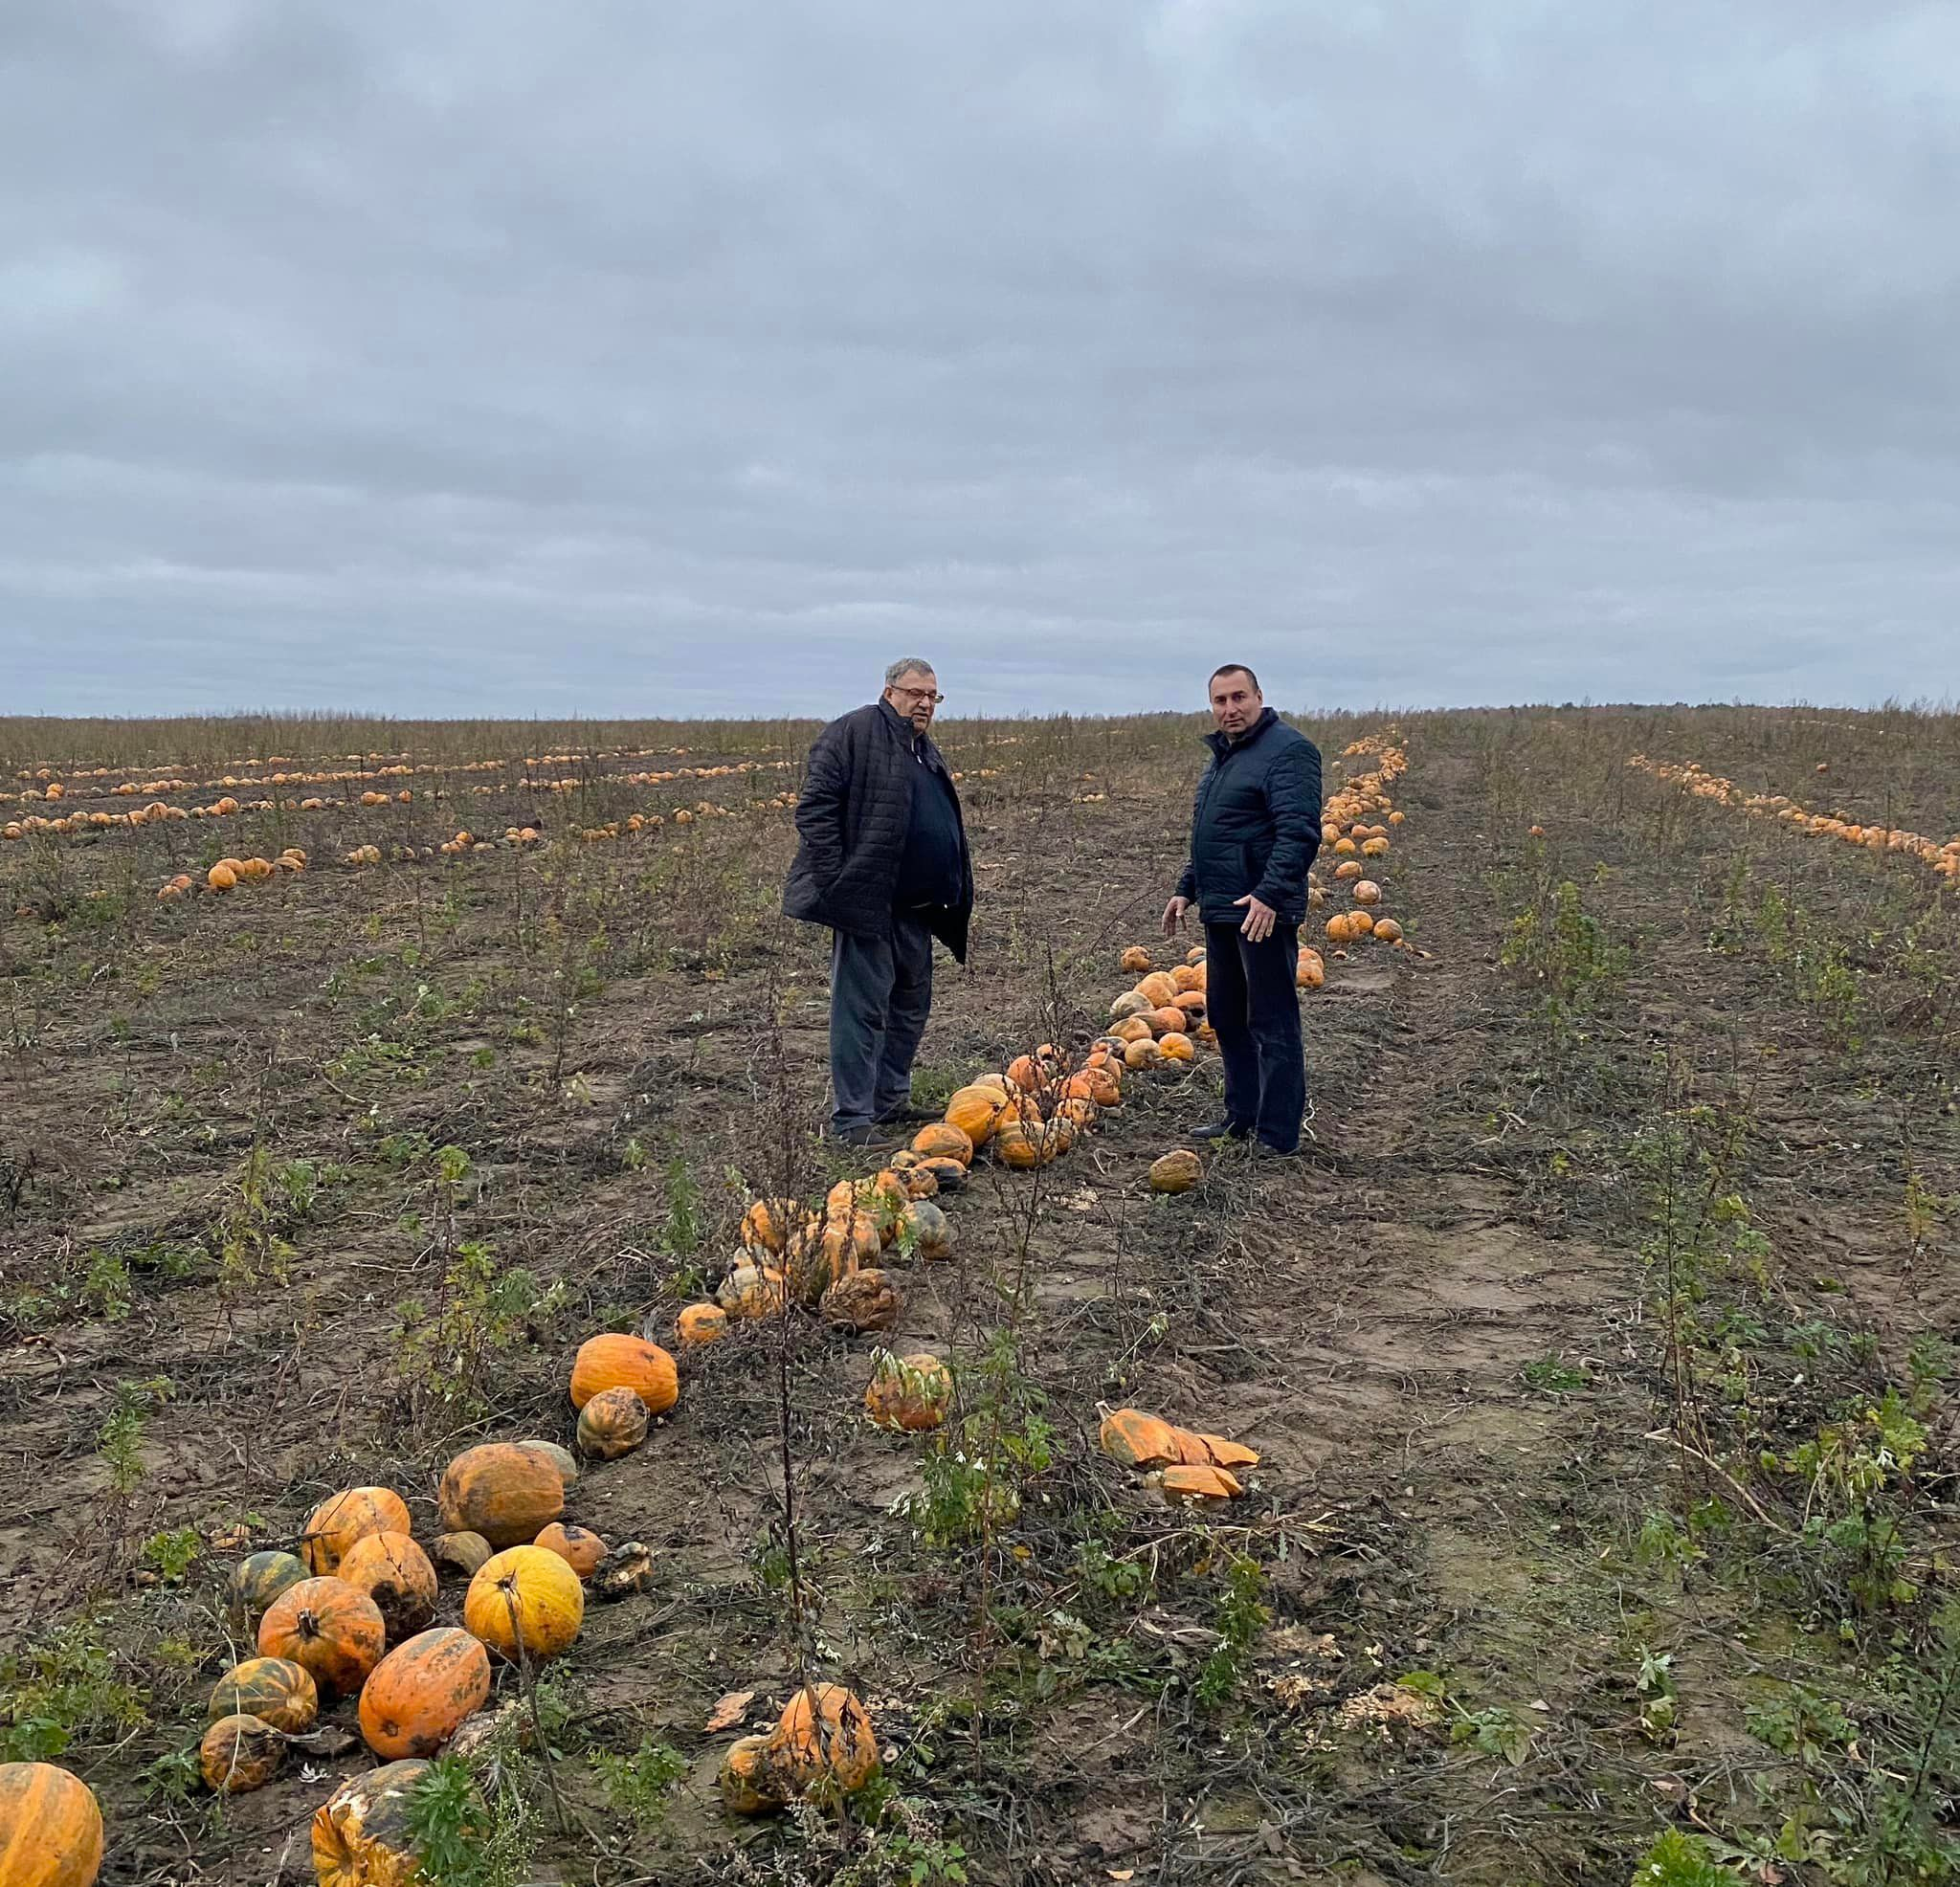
622, 359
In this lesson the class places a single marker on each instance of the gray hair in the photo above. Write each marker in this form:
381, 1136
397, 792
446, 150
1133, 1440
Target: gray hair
908, 665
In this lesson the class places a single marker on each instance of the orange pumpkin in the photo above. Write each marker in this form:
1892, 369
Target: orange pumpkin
1176, 1046
1367, 892
420, 1693
328, 1627
825, 1734
612, 1424
975, 1111
1157, 989
613, 1361
343, 1518
1097, 1084
767, 1223
1131, 1028
51, 1827
747, 1780
951, 1173
862, 1301
1135, 961
274, 1688
1166, 1020
502, 1492
1311, 972
942, 1141
221, 877
1387, 930
396, 1574
1139, 1440
909, 1392
363, 1835
1347, 867
578, 1546
1143, 1053
240, 1753
525, 1601
1026, 1073
1193, 1486
700, 1323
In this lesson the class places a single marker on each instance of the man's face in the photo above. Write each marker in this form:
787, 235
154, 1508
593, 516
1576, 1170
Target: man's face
913, 697
1236, 704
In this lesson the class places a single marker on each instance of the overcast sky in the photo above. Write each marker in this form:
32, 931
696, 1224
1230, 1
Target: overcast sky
622, 357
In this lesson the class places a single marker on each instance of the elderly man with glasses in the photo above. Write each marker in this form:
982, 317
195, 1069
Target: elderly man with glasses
883, 863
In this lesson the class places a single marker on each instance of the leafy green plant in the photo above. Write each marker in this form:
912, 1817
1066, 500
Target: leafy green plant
466, 1835
1681, 1861
119, 1441
641, 1784
172, 1555
451, 1355
62, 1689
1240, 1616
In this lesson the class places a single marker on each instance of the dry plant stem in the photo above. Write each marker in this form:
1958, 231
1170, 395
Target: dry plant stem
781, 1130
528, 1683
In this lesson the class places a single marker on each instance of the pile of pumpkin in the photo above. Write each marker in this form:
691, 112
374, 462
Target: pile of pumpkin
1940, 859
229, 873
352, 1614
834, 1261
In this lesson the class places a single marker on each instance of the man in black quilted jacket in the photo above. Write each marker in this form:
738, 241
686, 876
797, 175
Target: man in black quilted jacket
883, 863
1255, 827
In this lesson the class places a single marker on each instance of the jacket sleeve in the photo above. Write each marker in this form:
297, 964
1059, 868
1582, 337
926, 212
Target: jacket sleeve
820, 805
1293, 793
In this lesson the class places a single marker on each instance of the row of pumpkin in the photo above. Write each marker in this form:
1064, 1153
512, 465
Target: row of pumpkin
1942, 858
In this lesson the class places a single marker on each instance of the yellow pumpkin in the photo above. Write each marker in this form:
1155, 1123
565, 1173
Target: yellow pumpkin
975, 1111
525, 1602
940, 1140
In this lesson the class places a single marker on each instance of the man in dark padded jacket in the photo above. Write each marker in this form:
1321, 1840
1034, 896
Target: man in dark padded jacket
883, 862
1255, 830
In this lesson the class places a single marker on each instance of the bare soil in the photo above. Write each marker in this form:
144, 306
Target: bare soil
1442, 1326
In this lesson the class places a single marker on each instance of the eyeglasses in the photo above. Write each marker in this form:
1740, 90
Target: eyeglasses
918, 694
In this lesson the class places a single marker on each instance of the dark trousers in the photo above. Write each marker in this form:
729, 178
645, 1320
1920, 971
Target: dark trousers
880, 995
1252, 1002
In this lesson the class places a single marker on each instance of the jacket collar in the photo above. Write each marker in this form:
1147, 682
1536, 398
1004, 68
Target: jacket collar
915, 742
1221, 746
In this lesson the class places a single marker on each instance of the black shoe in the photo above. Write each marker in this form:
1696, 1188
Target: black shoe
867, 1139
906, 1116
1261, 1151
1221, 1130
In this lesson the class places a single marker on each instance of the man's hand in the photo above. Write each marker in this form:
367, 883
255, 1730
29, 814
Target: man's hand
1258, 918
1174, 915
